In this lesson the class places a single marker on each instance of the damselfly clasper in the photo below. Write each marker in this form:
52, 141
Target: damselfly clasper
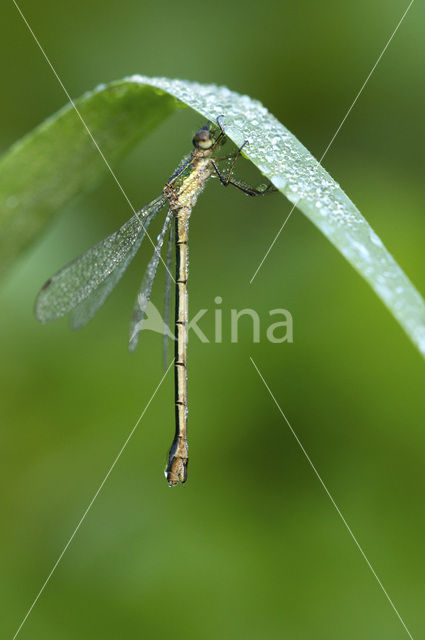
83, 285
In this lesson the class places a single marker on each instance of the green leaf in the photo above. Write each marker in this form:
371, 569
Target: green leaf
58, 160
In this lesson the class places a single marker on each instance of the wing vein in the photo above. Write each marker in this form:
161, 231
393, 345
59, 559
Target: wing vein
93, 275
145, 290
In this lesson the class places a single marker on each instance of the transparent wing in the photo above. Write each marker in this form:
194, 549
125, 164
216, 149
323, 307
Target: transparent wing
85, 311
102, 264
167, 298
144, 294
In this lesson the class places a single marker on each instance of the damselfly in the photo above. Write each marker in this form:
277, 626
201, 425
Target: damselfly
83, 285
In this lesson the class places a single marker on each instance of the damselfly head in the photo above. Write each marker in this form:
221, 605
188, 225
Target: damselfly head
203, 138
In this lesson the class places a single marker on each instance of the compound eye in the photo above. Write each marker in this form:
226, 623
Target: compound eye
202, 139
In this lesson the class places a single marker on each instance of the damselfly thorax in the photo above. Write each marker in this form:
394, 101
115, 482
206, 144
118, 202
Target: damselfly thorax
82, 286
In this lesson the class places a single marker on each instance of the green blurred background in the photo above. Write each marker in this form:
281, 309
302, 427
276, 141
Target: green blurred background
251, 546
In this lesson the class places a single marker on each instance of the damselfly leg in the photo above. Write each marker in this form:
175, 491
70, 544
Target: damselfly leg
227, 180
